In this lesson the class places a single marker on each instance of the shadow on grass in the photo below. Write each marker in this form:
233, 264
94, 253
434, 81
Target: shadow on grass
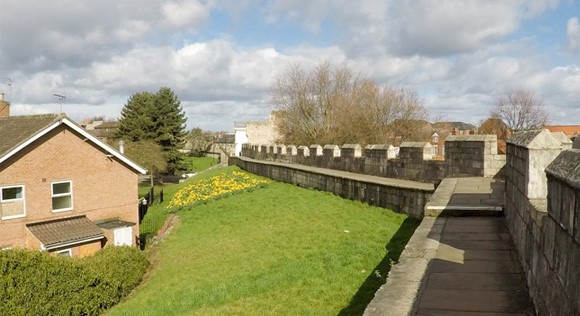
376, 278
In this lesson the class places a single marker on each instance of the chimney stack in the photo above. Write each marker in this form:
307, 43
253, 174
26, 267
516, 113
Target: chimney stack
121, 146
4, 106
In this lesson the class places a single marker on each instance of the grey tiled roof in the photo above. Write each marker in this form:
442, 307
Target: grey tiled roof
226, 139
62, 231
15, 130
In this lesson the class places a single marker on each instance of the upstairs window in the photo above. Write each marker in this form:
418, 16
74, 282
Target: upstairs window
62, 196
12, 202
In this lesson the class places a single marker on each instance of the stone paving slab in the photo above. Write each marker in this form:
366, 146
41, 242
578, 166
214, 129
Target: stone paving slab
493, 301
476, 281
476, 266
430, 312
481, 244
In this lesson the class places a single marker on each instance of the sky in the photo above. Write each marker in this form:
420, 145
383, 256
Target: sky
221, 57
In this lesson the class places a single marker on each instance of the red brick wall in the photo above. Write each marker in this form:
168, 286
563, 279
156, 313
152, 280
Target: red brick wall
103, 187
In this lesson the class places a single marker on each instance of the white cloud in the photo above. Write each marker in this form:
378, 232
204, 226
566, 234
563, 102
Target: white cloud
431, 27
459, 55
184, 13
573, 35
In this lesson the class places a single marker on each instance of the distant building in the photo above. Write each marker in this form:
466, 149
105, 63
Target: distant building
496, 126
224, 146
456, 128
103, 130
256, 132
423, 131
570, 130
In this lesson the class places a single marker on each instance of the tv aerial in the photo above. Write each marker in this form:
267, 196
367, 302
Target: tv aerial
7, 81
61, 97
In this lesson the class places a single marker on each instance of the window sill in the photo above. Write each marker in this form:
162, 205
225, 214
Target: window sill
13, 217
62, 210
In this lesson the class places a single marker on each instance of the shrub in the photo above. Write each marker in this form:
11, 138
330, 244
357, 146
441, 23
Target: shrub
129, 266
36, 283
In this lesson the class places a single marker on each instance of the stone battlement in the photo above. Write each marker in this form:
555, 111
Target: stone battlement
465, 156
543, 215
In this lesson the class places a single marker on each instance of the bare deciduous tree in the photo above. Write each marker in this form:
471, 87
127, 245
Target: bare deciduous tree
521, 110
310, 100
148, 154
333, 105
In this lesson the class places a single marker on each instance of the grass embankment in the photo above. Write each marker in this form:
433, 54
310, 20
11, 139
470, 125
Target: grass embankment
277, 250
197, 164
157, 213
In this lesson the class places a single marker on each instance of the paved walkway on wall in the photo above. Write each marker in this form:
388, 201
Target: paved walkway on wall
461, 259
475, 270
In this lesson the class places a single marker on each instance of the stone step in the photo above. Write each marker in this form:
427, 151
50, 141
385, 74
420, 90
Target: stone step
462, 210
458, 197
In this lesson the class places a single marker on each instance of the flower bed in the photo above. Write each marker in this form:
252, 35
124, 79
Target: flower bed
214, 187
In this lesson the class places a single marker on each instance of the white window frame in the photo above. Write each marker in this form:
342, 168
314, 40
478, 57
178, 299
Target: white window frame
52, 195
61, 252
23, 199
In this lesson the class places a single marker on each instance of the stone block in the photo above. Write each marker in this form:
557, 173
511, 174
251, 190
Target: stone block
281, 149
568, 209
554, 199
577, 218
561, 248
303, 151
315, 150
351, 150
331, 151
574, 291
291, 150
549, 231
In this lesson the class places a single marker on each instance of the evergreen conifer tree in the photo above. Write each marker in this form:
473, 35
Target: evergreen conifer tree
158, 117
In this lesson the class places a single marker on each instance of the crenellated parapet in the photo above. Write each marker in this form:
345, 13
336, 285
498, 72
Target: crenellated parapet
542, 209
474, 155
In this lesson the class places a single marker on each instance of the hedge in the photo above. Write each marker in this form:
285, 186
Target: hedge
36, 283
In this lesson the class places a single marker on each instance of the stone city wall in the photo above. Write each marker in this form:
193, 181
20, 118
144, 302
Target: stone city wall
466, 156
543, 215
401, 196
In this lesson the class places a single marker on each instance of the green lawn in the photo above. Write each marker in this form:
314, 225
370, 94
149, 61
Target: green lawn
279, 250
197, 164
157, 213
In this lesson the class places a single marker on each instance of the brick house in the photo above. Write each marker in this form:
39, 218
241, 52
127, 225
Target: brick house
571, 131
62, 190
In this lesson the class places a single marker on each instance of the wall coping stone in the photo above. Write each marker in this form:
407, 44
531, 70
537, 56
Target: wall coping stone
378, 147
351, 146
566, 167
471, 138
535, 139
416, 144
566, 142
